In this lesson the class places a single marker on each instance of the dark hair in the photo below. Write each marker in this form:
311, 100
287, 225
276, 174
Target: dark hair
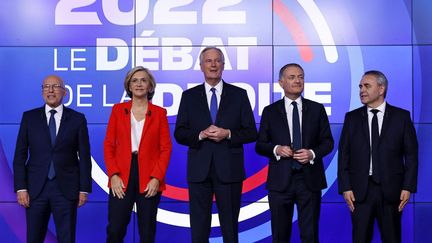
380, 77
282, 70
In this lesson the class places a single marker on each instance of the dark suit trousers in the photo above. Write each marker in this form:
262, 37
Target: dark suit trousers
119, 210
374, 206
64, 211
282, 208
228, 196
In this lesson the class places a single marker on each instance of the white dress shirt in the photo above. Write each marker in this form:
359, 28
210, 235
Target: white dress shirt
289, 113
57, 115
136, 132
380, 116
209, 93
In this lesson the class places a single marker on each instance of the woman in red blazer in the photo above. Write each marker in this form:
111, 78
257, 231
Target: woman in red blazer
137, 150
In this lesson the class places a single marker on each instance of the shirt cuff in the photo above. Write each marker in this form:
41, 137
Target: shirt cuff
84, 192
22, 190
275, 154
313, 157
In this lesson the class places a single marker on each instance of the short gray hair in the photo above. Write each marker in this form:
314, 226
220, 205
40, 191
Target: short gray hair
201, 56
380, 77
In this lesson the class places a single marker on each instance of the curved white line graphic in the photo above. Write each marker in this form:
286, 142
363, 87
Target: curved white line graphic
182, 219
321, 28
261, 205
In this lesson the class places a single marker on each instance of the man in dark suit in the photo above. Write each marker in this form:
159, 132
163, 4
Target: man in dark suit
215, 119
378, 162
52, 164
295, 135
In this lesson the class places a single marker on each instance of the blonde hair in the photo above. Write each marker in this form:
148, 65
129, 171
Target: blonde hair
128, 78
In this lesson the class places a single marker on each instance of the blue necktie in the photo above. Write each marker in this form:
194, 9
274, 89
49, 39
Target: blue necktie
296, 143
52, 129
213, 105
374, 147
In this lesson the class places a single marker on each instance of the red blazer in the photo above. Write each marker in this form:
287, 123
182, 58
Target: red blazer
154, 149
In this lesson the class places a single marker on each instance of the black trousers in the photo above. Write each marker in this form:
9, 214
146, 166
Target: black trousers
119, 210
375, 207
228, 197
282, 208
64, 211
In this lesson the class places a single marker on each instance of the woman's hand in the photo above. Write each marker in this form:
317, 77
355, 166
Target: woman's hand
117, 187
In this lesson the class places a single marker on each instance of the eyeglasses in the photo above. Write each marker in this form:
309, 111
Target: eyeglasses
55, 87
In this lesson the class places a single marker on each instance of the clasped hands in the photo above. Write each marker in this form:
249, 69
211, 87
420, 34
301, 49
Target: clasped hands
302, 155
214, 133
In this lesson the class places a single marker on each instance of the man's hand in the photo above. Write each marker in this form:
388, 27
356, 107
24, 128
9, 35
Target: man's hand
214, 133
23, 198
284, 151
404, 197
152, 188
117, 186
349, 199
82, 199
303, 156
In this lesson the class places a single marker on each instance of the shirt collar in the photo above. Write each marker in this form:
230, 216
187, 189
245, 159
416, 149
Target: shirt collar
59, 109
218, 87
288, 101
381, 107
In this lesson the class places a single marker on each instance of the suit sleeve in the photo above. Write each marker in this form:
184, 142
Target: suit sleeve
410, 145
110, 144
264, 145
184, 133
247, 131
325, 140
344, 158
21, 156
165, 148
85, 162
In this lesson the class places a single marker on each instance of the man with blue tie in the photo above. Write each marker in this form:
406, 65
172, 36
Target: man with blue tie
52, 164
214, 120
295, 135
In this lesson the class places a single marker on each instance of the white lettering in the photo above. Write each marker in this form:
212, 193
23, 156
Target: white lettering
81, 95
75, 59
118, 47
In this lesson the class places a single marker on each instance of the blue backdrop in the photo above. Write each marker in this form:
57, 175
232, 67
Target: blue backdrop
93, 43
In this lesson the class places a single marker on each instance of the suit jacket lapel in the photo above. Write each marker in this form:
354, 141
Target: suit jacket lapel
63, 124
126, 120
304, 124
224, 102
201, 102
45, 125
148, 119
386, 119
284, 118
365, 124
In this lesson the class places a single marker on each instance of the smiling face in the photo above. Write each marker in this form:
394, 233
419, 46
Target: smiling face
371, 92
140, 85
53, 91
292, 82
212, 65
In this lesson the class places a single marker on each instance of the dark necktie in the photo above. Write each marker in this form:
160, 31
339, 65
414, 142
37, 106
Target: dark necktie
52, 129
296, 142
213, 105
374, 147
